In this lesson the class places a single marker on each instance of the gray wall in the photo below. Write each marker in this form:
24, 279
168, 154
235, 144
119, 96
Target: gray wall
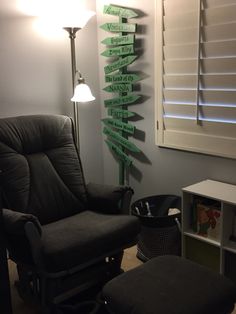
35, 77
157, 170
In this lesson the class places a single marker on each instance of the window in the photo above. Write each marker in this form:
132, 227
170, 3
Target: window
196, 75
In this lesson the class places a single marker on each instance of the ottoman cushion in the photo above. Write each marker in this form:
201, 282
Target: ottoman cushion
170, 285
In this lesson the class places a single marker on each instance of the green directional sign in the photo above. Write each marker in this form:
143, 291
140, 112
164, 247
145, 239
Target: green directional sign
119, 88
118, 51
119, 40
118, 11
119, 27
129, 128
128, 161
123, 100
121, 49
121, 140
122, 78
119, 64
120, 113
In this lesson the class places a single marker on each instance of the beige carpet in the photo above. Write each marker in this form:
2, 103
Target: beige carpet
19, 307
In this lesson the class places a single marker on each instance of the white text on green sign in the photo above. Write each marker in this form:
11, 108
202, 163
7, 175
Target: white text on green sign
119, 27
121, 155
124, 100
118, 51
119, 40
121, 140
120, 113
129, 128
119, 64
122, 78
121, 88
118, 11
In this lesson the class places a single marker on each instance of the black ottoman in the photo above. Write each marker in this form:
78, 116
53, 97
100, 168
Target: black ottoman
170, 285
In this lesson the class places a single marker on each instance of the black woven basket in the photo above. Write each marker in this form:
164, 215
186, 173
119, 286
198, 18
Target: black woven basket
160, 234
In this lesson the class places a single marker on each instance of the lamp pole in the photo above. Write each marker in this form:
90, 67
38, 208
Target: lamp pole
72, 35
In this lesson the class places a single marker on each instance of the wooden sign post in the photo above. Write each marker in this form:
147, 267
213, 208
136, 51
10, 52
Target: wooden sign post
120, 113
119, 27
119, 11
122, 100
122, 50
121, 40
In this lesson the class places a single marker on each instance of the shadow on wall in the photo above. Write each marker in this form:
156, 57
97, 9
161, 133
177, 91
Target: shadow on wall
134, 171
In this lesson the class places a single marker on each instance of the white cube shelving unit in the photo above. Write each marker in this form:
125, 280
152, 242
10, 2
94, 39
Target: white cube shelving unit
218, 254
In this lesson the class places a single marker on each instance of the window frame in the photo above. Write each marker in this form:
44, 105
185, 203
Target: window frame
160, 131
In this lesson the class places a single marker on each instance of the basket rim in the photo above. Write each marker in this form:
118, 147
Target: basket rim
157, 217
145, 216
155, 196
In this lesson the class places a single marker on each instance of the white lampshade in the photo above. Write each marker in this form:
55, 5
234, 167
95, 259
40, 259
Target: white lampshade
59, 13
82, 93
76, 19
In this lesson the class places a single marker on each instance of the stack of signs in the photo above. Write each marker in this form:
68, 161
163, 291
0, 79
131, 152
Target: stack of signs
121, 50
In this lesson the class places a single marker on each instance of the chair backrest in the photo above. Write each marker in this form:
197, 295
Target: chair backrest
41, 169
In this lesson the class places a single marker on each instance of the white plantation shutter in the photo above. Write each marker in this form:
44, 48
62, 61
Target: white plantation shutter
196, 41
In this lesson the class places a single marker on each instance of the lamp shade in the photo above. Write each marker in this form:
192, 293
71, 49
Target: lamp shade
62, 13
76, 19
82, 93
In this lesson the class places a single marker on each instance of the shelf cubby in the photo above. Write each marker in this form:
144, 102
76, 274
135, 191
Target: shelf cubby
214, 250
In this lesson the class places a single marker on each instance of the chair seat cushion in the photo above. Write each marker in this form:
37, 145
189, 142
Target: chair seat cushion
170, 285
84, 237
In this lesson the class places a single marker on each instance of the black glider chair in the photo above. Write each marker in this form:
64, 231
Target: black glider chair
5, 293
64, 236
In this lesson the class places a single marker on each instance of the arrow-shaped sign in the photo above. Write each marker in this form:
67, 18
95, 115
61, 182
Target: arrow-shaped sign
119, 27
128, 161
124, 100
118, 40
121, 140
120, 113
119, 64
129, 128
122, 78
118, 11
119, 88
118, 51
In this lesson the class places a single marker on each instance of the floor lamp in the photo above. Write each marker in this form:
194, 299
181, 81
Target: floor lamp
81, 91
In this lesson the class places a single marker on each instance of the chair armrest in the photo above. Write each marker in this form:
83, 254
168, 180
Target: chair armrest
23, 228
14, 222
35, 244
109, 199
